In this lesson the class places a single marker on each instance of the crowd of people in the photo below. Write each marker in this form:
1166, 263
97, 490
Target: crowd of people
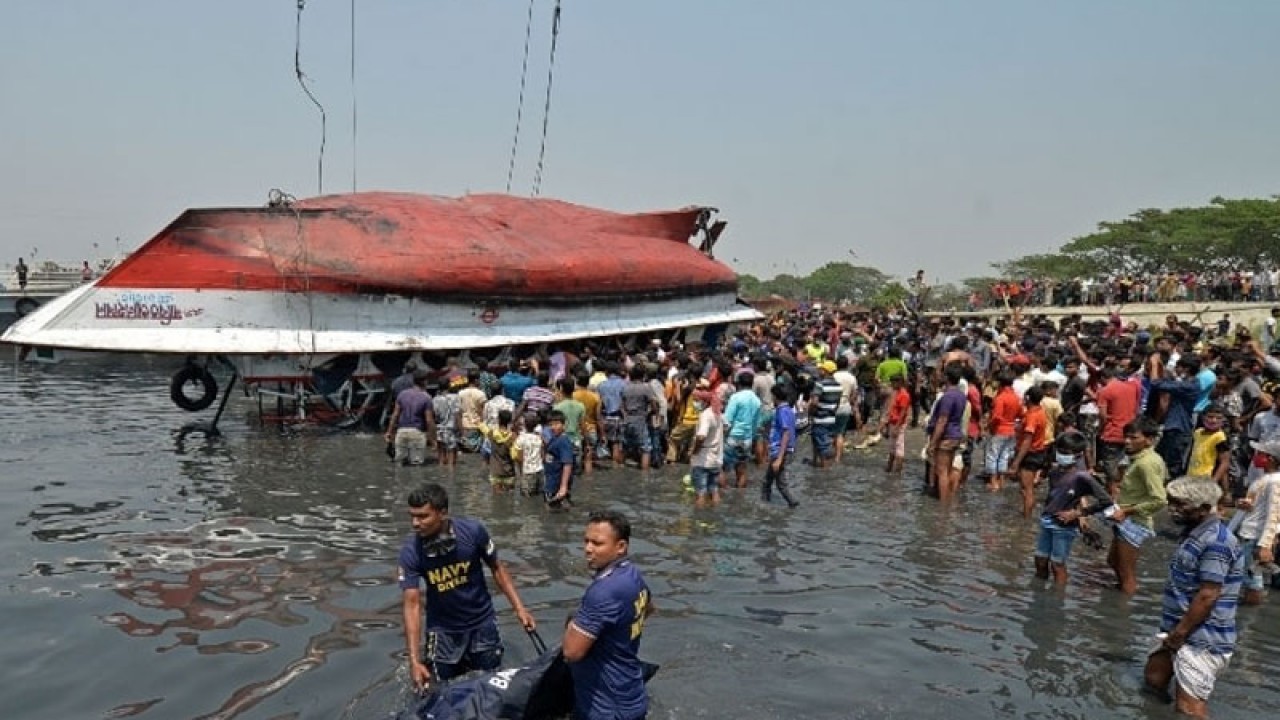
1102, 424
1260, 285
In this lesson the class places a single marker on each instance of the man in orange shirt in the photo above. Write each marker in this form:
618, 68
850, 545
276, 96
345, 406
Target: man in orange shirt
1002, 423
1033, 449
895, 422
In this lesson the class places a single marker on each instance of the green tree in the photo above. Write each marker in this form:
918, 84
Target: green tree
1055, 266
749, 286
838, 281
947, 297
1223, 235
890, 295
787, 285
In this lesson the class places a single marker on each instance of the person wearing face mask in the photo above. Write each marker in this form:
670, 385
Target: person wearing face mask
1258, 521
1060, 518
1198, 619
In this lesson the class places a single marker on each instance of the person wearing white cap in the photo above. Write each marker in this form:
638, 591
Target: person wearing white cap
1198, 619
1259, 518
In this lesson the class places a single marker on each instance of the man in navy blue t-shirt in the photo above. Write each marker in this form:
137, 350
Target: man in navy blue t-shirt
602, 641
557, 464
462, 628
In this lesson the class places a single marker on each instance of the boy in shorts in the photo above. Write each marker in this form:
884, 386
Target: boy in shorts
528, 451
502, 466
894, 424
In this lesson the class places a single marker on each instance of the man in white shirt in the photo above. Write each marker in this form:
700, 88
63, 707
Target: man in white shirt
1269, 330
1259, 522
707, 457
844, 411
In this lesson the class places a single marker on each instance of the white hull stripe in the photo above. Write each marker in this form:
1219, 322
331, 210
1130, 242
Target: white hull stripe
259, 322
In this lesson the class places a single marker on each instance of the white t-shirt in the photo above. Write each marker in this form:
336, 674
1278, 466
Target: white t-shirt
1022, 384
530, 446
1039, 376
1265, 494
848, 386
711, 429
495, 405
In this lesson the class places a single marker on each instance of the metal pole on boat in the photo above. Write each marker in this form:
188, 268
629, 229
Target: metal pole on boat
226, 394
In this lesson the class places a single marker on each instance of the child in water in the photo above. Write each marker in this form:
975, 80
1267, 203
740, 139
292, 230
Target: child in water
1060, 517
502, 467
528, 451
1210, 450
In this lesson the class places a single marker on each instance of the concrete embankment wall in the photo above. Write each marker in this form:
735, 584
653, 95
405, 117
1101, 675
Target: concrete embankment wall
1251, 314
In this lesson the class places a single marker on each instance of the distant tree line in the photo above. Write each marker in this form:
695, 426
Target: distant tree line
1222, 236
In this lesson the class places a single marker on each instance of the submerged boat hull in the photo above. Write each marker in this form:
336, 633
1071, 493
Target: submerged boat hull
386, 272
274, 322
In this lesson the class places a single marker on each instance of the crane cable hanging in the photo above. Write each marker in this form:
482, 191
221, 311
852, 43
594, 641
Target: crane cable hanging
546, 110
353, 96
302, 80
524, 75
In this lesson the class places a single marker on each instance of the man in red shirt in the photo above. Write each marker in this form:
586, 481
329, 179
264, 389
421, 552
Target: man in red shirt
895, 422
1118, 403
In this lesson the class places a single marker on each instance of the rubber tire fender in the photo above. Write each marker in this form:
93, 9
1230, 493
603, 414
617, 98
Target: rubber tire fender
25, 306
193, 374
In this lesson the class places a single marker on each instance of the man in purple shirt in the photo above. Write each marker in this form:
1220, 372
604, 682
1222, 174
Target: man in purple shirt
946, 432
412, 422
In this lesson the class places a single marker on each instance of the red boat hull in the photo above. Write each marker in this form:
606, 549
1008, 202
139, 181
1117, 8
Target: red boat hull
479, 246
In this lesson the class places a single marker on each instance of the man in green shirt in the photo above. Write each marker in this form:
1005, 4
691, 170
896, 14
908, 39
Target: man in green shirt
574, 411
1141, 496
892, 367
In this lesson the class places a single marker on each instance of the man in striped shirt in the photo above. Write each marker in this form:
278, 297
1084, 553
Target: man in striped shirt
822, 412
1198, 620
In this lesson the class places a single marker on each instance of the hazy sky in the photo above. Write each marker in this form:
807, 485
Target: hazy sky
938, 134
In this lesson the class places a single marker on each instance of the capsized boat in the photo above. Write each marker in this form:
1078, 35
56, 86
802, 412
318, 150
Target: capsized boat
283, 289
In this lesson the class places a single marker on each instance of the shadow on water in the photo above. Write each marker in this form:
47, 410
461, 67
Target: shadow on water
252, 576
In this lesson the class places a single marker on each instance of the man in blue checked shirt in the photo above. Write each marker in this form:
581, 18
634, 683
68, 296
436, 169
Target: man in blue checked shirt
1198, 620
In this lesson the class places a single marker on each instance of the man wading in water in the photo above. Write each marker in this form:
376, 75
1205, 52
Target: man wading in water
1141, 495
449, 554
1198, 619
602, 638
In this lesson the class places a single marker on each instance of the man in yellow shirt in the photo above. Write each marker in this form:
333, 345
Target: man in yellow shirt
591, 421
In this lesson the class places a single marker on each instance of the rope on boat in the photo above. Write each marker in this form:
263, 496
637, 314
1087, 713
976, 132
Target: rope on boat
302, 81
524, 75
353, 96
546, 110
